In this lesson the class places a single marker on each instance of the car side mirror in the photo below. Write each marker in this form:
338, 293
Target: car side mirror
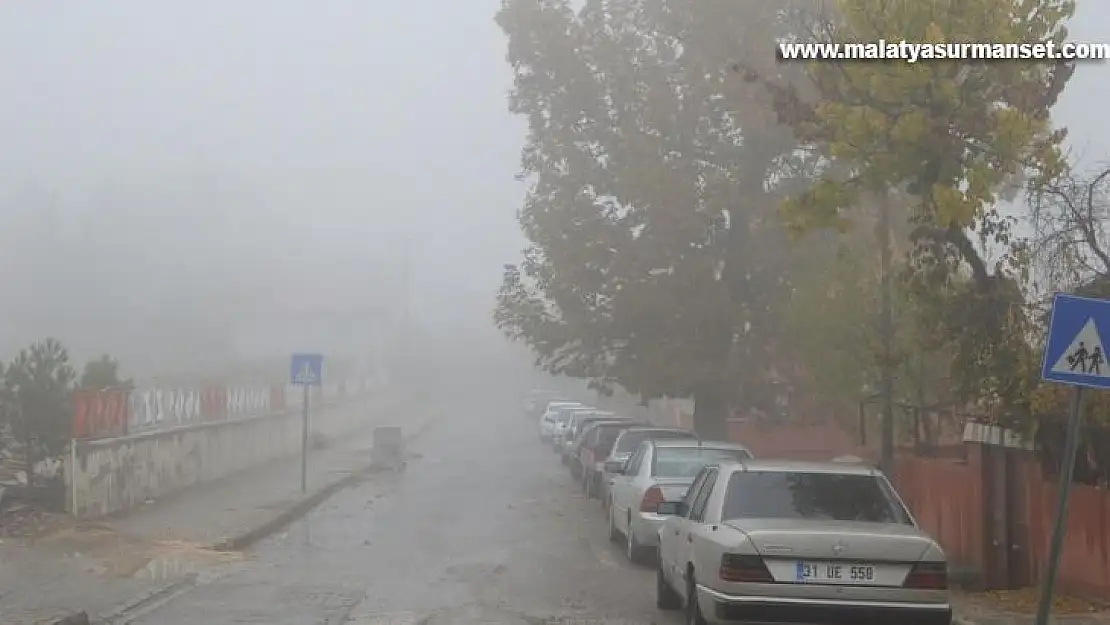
672, 508
614, 466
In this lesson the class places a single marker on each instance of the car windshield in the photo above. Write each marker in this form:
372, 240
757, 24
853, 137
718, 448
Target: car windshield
687, 461
819, 496
631, 440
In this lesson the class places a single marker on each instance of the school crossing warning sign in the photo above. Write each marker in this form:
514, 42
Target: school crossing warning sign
1084, 354
1074, 353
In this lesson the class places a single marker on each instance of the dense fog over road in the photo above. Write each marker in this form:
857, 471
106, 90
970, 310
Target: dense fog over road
722, 247
196, 165
207, 167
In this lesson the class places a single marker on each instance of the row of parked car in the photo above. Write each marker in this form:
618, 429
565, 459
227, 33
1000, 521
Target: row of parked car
734, 538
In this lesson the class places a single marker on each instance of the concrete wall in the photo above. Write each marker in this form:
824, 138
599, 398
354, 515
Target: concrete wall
111, 475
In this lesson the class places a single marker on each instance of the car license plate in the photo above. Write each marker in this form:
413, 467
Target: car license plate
835, 573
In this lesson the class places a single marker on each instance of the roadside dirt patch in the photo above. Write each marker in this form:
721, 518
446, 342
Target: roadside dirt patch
82, 537
108, 553
1024, 601
166, 559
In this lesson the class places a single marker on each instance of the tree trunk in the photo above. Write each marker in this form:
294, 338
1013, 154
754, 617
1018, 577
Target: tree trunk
886, 330
711, 415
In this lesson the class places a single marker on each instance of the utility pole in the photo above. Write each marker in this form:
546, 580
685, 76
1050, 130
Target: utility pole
886, 331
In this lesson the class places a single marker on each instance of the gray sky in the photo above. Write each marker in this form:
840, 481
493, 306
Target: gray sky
201, 156
1083, 106
331, 129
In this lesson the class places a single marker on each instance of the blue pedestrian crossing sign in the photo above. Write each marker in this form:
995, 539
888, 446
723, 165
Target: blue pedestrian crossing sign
1074, 352
307, 370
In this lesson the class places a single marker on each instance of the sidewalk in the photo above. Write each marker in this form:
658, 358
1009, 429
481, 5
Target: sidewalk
1019, 608
101, 566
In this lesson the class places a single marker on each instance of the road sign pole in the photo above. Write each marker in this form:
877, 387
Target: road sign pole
306, 371
304, 440
1071, 446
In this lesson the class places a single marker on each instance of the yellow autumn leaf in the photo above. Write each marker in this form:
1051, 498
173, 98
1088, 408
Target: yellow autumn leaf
952, 207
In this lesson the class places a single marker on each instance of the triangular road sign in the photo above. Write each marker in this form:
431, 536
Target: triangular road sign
1085, 355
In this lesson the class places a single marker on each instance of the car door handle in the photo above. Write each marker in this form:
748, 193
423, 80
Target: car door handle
689, 538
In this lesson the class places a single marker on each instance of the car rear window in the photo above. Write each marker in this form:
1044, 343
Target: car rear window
605, 439
566, 415
687, 461
631, 440
590, 424
821, 496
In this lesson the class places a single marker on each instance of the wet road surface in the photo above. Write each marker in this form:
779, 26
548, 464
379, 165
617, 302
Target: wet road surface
485, 526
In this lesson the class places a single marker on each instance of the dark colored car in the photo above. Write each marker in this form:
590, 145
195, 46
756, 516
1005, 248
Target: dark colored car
596, 447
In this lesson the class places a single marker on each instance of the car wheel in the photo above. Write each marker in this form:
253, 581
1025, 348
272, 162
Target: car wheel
665, 596
693, 608
614, 533
632, 547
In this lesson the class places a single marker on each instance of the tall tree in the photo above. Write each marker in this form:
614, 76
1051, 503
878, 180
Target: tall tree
655, 258
951, 135
38, 383
103, 373
830, 319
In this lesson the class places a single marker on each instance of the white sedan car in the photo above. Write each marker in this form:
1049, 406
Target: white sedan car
549, 418
779, 541
658, 471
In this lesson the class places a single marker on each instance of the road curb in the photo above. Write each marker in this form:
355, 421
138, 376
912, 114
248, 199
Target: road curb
132, 609
124, 613
309, 502
288, 516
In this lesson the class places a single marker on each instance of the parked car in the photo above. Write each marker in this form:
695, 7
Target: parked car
626, 443
596, 446
593, 443
569, 447
774, 541
550, 417
564, 419
537, 401
577, 446
658, 471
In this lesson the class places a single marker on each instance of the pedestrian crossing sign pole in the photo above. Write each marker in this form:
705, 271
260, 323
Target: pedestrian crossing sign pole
306, 371
1074, 354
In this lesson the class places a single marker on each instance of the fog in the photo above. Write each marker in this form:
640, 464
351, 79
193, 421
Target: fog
185, 180
184, 183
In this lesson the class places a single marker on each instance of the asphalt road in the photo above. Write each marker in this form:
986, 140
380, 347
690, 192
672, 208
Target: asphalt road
485, 526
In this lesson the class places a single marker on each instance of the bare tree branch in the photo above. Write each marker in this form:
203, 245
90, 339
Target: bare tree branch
1068, 216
